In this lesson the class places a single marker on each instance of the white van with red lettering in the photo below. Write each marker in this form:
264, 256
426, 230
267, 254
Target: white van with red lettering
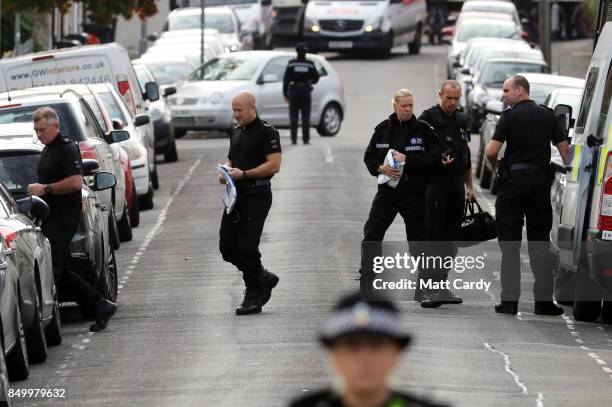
86, 64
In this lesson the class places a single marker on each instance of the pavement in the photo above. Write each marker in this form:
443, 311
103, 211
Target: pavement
175, 340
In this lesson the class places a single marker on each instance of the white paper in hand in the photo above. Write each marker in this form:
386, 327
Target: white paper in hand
390, 161
230, 194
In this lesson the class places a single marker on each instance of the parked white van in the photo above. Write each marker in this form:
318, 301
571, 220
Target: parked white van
581, 237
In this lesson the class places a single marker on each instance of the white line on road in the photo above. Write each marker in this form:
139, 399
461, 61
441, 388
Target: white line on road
329, 157
508, 368
540, 400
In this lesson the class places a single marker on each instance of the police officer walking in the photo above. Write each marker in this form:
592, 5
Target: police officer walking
254, 157
300, 75
450, 187
60, 178
524, 192
365, 342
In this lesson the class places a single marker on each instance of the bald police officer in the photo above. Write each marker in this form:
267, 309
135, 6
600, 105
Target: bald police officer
254, 157
524, 193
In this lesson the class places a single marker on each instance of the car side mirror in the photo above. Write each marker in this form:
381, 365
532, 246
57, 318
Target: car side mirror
153, 37
141, 120
563, 113
34, 208
117, 136
494, 107
170, 90
456, 64
103, 180
466, 71
90, 167
151, 91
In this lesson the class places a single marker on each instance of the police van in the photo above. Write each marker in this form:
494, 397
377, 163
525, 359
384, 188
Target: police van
581, 237
368, 25
87, 64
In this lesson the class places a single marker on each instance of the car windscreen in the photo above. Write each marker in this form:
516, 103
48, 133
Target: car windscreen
495, 7
18, 170
470, 30
112, 107
539, 91
168, 73
23, 114
494, 74
220, 22
228, 69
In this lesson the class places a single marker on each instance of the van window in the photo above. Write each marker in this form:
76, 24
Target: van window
585, 105
605, 104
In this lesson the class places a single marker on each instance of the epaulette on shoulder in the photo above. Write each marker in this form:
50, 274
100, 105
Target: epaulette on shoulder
66, 140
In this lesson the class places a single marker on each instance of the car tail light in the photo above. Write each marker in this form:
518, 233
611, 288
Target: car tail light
604, 222
88, 150
124, 86
9, 237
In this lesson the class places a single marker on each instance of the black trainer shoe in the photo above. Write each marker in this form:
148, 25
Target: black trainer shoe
507, 307
104, 311
431, 299
547, 308
251, 303
268, 282
447, 297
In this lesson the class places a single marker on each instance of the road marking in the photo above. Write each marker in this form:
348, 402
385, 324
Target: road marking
329, 157
540, 400
570, 324
508, 368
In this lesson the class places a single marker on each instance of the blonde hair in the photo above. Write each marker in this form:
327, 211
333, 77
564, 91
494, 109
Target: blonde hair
401, 93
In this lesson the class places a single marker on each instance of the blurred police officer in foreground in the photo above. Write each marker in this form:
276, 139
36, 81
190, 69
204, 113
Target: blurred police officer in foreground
60, 178
451, 186
300, 75
524, 192
365, 341
254, 157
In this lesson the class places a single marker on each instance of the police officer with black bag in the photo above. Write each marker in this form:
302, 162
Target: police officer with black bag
524, 193
450, 188
60, 179
253, 159
299, 77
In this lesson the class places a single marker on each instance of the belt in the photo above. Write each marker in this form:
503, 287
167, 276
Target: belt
253, 183
522, 166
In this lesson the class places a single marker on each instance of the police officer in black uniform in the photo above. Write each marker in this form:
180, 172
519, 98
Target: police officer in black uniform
254, 157
60, 178
446, 195
365, 341
524, 192
300, 75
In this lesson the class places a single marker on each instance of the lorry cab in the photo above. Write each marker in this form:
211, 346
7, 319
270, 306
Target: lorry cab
581, 239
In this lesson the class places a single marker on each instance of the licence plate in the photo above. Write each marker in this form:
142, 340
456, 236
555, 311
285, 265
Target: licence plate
341, 44
182, 112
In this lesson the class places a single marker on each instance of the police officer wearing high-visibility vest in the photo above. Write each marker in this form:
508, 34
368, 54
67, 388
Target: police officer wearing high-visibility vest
450, 187
299, 77
365, 342
524, 193
60, 179
254, 157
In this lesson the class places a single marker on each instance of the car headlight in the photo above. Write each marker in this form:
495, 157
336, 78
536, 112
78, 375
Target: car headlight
132, 149
311, 25
375, 24
155, 114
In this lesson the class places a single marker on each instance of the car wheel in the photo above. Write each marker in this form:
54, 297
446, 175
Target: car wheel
124, 226
53, 331
414, 47
146, 201
112, 230
587, 298
17, 362
178, 133
108, 282
35, 337
331, 118
485, 176
171, 155
155, 179
135, 209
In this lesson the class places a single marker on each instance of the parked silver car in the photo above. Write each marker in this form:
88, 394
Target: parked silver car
203, 101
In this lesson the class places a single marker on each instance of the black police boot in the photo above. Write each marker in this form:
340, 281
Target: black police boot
447, 297
507, 307
418, 295
104, 311
431, 299
268, 282
251, 303
547, 308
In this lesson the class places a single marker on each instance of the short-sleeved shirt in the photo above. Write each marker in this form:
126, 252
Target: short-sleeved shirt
59, 160
528, 130
251, 145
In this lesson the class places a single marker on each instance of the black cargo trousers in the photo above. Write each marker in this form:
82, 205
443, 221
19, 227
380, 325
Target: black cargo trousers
300, 100
525, 194
59, 227
241, 231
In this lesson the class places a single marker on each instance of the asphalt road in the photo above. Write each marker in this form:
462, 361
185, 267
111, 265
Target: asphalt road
175, 340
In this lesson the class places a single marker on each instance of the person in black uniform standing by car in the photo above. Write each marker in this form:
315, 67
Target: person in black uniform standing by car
365, 342
60, 179
299, 77
524, 192
450, 187
254, 157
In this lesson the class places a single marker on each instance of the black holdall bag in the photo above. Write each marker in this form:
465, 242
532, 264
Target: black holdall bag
476, 226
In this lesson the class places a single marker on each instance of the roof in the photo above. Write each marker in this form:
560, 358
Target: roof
487, 21
269, 54
496, 4
46, 92
564, 81
517, 60
94, 47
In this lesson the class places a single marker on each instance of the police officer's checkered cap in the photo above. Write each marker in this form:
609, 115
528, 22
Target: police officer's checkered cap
354, 316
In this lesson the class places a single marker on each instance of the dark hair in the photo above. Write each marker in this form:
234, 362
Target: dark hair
520, 80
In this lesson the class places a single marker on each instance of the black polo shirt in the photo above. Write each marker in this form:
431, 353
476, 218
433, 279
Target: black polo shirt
528, 129
59, 160
250, 145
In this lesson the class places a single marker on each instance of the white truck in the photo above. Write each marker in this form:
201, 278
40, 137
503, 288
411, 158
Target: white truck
288, 19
